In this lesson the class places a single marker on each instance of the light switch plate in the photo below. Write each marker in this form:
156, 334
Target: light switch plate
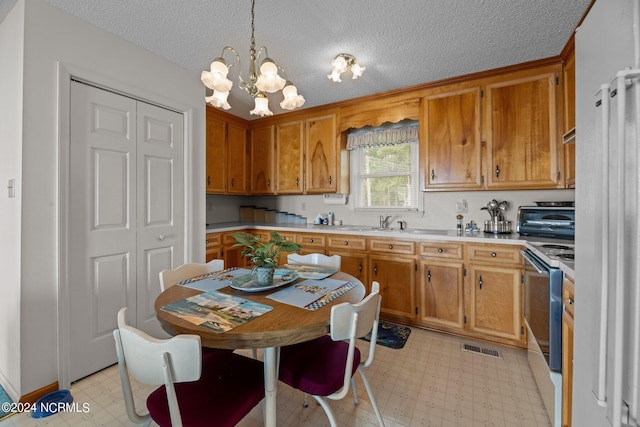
462, 207
11, 187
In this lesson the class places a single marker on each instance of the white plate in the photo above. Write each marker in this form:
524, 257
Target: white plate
249, 282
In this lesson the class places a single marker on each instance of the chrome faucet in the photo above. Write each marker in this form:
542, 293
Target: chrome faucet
384, 221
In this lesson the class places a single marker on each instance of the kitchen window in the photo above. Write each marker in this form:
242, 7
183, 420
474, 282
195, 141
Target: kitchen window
384, 167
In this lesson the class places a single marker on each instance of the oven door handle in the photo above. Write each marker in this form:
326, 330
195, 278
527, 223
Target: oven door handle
539, 268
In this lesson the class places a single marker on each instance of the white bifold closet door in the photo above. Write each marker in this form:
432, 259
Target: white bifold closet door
126, 217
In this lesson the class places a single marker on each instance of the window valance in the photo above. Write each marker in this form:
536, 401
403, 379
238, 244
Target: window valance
388, 134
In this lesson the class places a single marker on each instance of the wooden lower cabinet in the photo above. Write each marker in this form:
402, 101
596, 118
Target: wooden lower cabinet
397, 278
469, 289
567, 352
495, 301
441, 285
441, 294
230, 254
213, 248
355, 264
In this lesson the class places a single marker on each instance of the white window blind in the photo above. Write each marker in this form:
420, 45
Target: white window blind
384, 167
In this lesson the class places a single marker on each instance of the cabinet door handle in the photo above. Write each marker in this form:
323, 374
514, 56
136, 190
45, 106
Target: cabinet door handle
330, 180
433, 174
360, 268
429, 275
390, 246
440, 250
233, 182
375, 269
297, 181
310, 240
208, 180
493, 254
346, 243
497, 171
269, 183
161, 237
570, 300
480, 282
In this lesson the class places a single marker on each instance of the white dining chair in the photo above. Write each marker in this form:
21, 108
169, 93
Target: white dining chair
215, 265
324, 367
193, 390
334, 261
170, 277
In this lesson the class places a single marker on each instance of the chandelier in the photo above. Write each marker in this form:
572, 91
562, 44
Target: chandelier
257, 85
343, 62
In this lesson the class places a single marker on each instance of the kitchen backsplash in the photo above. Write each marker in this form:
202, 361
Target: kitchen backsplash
439, 209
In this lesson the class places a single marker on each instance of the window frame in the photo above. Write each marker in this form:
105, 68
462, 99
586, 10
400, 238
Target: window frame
357, 179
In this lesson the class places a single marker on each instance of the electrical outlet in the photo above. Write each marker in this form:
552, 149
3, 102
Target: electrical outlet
462, 207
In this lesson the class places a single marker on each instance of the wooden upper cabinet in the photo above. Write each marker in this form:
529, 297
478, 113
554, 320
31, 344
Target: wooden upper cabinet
237, 159
226, 156
321, 142
451, 144
289, 157
521, 130
262, 145
216, 156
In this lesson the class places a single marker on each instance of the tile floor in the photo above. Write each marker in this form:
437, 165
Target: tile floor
430, 382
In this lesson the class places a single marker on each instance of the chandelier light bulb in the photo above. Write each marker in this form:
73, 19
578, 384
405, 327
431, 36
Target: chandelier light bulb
216, 79
269, 81
218, 99
262, 106
291, 98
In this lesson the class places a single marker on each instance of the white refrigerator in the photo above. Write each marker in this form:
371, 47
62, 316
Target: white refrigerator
607, 296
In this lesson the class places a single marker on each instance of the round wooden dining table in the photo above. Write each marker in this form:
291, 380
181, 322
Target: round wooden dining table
283, 325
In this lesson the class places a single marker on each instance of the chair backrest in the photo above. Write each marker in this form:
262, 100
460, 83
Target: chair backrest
215, 265
169, 278
334, 261
155, 362
353, 321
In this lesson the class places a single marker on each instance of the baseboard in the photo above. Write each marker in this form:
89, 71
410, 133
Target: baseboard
37, 394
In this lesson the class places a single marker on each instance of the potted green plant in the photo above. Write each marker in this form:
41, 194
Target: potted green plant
264, 255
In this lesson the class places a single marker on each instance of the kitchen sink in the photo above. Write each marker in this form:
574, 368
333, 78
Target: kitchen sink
363, 228
430, 231
424, 231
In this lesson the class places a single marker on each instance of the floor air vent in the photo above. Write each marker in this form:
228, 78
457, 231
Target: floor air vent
480, 350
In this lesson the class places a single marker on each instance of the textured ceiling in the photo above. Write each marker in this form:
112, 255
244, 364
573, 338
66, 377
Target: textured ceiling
401, 42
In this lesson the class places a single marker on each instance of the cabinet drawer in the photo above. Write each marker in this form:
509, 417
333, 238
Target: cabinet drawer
392, 246
227, 238
308, 240
354, 243
567, 296
448, 250
213, 239
503, 254
265, 235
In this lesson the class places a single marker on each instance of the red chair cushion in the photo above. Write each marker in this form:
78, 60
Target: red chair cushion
316, 367
229, 387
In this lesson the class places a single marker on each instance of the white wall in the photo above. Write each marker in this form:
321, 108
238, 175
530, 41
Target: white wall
54, 39
11, 46
439, 208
